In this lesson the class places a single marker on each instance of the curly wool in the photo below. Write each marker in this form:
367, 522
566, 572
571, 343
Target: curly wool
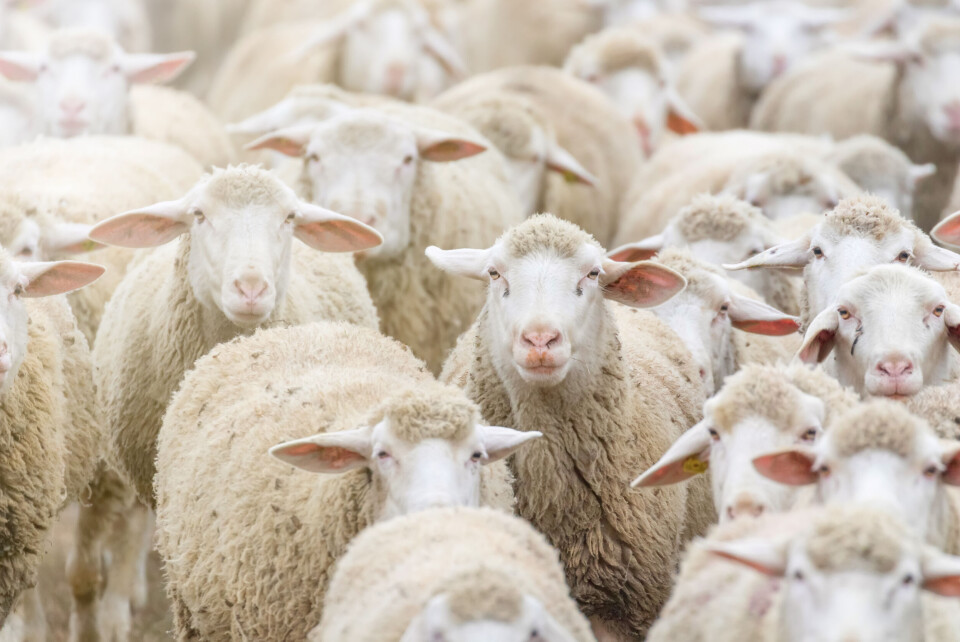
249, 542
438, 412
508, 121
721, 217
879, 424
81, 42
546, 233
871, 163
847, 538
613, 50
484, 561
939, 406
866, 216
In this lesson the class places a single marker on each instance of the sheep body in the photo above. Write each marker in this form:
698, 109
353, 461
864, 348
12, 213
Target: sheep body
707, 79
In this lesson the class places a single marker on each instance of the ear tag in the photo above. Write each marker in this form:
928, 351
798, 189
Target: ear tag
570, 178
695, 466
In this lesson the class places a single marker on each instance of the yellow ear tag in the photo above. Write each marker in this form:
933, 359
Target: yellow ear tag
695, 466
89, 245
570, 177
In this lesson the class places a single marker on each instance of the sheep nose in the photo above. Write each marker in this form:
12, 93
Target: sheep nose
745, 505
72, 105
895, 367
251, 287
952, 111
541, 339
396, 72
779, 64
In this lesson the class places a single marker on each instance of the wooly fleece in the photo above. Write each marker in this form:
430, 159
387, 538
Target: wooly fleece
875, 165
484, 561
940, 407
88, 179
833, 93
249, 542
465, 203
619, 547
583, 120
613, 50
154, 328
51, 439
708, 79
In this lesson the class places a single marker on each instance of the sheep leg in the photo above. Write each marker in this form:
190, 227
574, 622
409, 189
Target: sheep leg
126, 588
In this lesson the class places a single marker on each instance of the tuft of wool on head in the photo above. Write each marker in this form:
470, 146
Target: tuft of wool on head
483, 593
879, 424
240, 186
546, 233
699, 275
618, 49
866, 216
757, 391
847, 538
434, 411
723, 218
785, 172
81, 42
508, 121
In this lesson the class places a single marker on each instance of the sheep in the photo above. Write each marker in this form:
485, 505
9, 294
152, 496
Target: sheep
83, 84
761, 409
940, 407
375, 46
633, 71
713, 317
857, 234
947, 231
351, 166
594, 377
125, 20
721, 230
847, 572
523, 110
51, 429
456, 573
722, 77
900, 91
21, 29
399, 441
893, 329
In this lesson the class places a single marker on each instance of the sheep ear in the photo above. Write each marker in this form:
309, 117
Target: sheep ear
763, 555
951, 459
500, 442
325, 230
561, 161
464, 262
820, 337
941, 573
951, 318
789, 467
20, 65
793, 254
156, 68
936, 259
640, 251
687, 457
920, 172
57, 277
640, 285
149, 227
442, 147
759, 318
680, 117
291, 141
332, 452
68, 238
947, 231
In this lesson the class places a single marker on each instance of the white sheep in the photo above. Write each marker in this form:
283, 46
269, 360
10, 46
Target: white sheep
848, 572
761, 409
541, 118
947, 231
86, 84
457, 573
419, 177
609, 386
249, 544
127, 21
51, 428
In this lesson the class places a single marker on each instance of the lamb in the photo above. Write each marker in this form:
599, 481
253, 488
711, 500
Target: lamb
83, 84
721, 230
375, 46
907, 99
722, 325
50, 430
465, 573
722, 77
634, 72
892, 328
550, 354
848, 572
761, 409
420, 446
352, 163
507, 105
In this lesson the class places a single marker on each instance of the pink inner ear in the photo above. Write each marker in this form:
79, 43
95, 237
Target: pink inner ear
17, 72
451, 150
676, 472
286, 146
772, 328
952, 474
791, 468
948, 231
336, 458
821, 345
680, 125
337, 236
645, 285
137, 230
63, 277
162, 71
740, 560
947, 586
632, 255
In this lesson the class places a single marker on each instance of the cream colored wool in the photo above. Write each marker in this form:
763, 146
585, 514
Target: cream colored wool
708, 80
875, 165
940, 407
249, 542
136, 377
619, 547
584, 122
616, 49
675, 33
482, 559
51, 439
88, 179
466, 203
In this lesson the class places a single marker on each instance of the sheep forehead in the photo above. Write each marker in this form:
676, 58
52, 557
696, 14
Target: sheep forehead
546, 234
758, 391
722, 218
361, 131
866, 216
510, 124
483, 593
239, 188
784, 172
433, 412
622, 49
704, 281
856, 538
877, 425
82, 42
879, 285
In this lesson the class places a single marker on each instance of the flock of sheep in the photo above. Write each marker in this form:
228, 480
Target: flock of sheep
601, 320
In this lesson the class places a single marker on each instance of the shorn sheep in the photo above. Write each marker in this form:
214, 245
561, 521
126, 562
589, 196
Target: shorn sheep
610, 387
452, 574
51, 430
250, 544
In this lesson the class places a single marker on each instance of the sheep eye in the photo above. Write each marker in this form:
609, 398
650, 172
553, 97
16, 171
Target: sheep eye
823, 471
931, 471
494, 275
534, 634
17, 290
383, 454
938, 311
908, 580
799, 576
844, 313
291, 216
407, 159
724, 308
27, 251
817, 252
594, 274
313, 158
198, 214
903, 257
477, 456
809, 434
714, 435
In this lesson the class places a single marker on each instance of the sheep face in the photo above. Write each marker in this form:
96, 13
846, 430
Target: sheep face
31, 280
40, 238
410, 472
438, 622
241, 224
82, 81
892, 328
937, 98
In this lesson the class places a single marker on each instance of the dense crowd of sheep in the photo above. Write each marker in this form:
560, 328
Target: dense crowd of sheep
598, 320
